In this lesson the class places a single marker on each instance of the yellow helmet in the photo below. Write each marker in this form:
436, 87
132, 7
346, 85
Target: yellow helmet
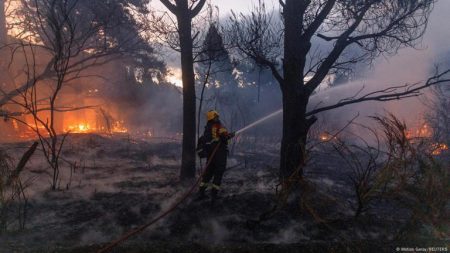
210, 115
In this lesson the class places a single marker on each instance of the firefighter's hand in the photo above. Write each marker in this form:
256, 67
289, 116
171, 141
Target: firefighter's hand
231, 135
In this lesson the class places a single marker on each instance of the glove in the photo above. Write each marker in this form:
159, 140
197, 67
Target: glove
231, 135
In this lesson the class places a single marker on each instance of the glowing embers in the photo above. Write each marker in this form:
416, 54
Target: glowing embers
26, 134
119, 127
424, 131
438, 148
326, 136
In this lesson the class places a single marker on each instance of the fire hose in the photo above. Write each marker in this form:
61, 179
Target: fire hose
172, 208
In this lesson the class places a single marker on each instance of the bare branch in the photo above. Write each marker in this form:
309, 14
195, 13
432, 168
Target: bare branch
339, 47
196, 10
170, 6
388, 94
318, 21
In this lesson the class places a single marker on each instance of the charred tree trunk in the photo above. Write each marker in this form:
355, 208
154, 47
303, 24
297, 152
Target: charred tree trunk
3, 29
184, 14
293, 142
392, 26
189, 100
295, 97
3, 41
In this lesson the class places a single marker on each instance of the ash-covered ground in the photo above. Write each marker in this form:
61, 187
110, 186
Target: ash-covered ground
119, 183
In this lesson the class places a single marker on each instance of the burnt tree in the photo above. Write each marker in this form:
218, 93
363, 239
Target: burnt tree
69, 37
373, 27
185, 12
105, 31
2, 23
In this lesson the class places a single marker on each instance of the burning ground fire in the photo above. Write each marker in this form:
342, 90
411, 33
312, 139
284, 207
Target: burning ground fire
83, 127
76, 122
326, 136
439, 148
90, 121
422, 132
425, 131
79, 128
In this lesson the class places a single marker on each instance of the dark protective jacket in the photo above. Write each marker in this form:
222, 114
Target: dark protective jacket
214, 134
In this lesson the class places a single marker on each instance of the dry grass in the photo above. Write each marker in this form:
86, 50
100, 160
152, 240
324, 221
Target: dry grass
13, 200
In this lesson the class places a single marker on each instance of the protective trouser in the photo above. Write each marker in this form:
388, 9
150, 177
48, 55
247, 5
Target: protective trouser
215, 171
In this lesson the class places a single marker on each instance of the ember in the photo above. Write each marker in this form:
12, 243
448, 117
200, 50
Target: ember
118, 127
325, 136
422, 132
439, 148
426, 132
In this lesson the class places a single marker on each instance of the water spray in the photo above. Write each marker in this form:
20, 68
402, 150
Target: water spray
259, 121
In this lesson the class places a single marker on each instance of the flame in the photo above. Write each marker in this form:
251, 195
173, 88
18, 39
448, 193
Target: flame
439, 148
80, 128
15, 125
325, 136
83, 127
424, 131
118, 127
90, 121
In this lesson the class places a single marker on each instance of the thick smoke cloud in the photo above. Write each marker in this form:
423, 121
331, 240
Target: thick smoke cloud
410, 65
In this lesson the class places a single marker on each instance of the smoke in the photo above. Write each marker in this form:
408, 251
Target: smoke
212, 230
157, 108
437, 35
93, 236
409, 66
291, 234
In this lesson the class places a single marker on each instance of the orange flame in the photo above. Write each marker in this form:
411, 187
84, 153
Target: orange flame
15, 125
424, 131
83, 127
118, 127
79, 128
326, 136
439, 148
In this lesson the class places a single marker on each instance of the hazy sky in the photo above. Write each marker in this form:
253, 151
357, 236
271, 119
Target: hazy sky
238, 5
408, 65
226, 5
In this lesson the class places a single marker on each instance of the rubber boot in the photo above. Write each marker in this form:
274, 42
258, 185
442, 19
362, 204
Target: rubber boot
201, 193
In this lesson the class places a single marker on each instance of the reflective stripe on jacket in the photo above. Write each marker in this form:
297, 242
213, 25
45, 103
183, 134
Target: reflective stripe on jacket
218, 132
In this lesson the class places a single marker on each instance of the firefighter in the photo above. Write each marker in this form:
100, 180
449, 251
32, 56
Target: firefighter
215, 134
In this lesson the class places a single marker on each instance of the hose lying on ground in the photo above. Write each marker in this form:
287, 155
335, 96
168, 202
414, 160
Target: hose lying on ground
172, 208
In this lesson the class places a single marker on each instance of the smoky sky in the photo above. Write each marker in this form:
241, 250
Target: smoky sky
410, 65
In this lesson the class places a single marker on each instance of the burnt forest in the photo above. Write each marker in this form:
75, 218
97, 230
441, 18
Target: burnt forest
213, 126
